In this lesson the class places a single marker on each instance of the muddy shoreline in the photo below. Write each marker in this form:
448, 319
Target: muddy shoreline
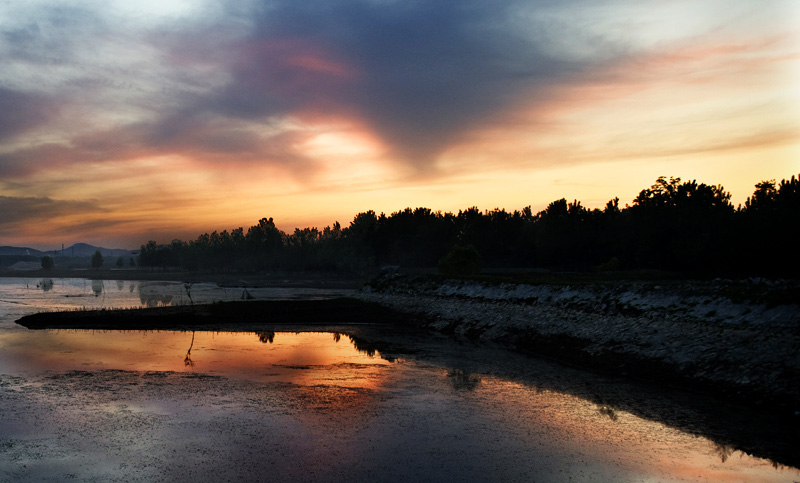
733, 341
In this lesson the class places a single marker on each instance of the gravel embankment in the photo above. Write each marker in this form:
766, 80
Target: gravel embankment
736, 340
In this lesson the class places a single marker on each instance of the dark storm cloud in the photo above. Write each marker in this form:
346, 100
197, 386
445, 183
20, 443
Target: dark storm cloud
419, 73
431, 69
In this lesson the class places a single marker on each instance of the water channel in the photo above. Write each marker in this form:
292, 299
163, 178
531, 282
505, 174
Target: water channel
330, 404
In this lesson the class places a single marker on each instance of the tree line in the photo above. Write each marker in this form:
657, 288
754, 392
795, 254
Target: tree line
672, 225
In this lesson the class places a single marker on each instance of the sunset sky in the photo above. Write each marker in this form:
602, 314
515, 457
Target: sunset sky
126, 121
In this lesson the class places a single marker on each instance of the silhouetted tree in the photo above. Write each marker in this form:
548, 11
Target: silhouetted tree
97, 260
47, 262
681, 226
671, 225
769, 227
264, 243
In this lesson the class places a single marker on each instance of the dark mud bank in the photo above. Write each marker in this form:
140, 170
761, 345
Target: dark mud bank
221, 315
738, 341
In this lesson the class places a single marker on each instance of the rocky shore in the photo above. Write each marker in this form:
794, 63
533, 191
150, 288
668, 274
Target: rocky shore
737, 340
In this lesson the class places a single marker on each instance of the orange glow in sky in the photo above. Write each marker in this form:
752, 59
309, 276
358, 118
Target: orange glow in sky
186, 119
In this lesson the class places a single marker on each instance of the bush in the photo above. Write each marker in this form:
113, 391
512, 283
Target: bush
461, 260
47, 263
611, 265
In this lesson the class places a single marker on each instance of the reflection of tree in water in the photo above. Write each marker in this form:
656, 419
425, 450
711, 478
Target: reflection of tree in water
361, 345
45, 284
337, 337
608, 411
463, 381
97, 287
370, 348
724, 451
188, 360
120, 285
150, 298
266, 337
777, 465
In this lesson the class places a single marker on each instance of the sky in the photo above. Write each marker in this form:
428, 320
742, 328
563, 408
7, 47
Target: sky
122, 121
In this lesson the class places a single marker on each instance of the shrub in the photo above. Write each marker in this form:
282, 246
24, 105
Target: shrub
461, 260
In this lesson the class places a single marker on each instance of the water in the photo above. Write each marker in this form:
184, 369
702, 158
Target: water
353, 404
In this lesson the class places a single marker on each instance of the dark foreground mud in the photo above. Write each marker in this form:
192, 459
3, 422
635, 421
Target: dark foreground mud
222, 315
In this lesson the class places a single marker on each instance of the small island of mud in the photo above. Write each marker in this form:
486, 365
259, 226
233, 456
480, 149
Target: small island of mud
229, 316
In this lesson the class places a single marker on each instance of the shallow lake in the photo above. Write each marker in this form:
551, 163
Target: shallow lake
344, 404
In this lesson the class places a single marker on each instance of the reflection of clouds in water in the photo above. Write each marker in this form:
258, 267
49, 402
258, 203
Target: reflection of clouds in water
155, 300
334, 398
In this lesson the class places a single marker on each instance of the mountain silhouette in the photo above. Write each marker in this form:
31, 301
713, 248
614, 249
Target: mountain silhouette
76, 250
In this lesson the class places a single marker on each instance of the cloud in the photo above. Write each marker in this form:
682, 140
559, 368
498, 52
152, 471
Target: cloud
20, 112
253, 84
22, 211
418, 74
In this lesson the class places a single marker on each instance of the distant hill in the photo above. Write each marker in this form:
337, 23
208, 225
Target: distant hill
86, 250
76, 250
20, 251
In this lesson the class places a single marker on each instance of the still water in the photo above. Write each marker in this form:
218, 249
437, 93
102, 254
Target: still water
365, 403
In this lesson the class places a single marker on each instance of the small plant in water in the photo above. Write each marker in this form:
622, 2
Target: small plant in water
188, 288
187, 361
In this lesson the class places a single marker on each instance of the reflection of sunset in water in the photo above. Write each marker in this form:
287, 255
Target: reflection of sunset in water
647, 448
333, 388
306, 358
